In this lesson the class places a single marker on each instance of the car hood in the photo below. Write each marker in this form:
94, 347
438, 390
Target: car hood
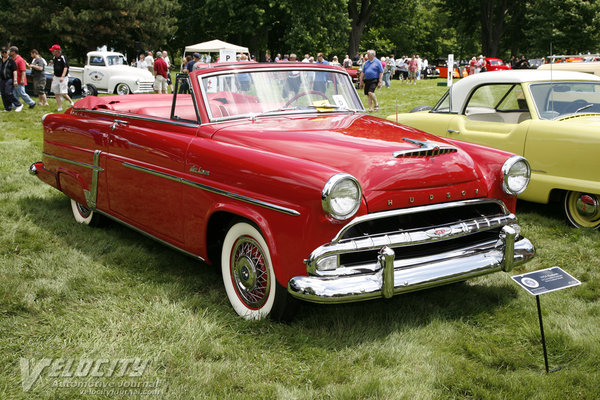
131, 71
582, 119
360, 145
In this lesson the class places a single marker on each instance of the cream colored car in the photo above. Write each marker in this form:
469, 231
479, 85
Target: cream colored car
590, 67
551, 118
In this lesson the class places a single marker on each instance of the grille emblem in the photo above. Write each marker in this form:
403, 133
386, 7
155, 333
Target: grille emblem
438, 232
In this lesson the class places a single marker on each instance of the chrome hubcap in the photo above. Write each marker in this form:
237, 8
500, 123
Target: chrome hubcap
587, 205
246, 272
83, 210
250, 272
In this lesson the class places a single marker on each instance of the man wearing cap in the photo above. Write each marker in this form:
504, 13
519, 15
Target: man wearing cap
60, 81
8, 73
21, 81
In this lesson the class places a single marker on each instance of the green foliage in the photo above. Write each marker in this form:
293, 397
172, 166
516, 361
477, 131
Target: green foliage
80, 26
571, 26
427, 27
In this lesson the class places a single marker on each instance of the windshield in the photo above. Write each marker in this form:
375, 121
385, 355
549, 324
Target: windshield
559, 99
245, 93
115, 60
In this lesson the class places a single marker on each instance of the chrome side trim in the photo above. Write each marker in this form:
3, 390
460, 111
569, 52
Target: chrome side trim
138, 117
81, 164
138, 230
92, 195
211, 189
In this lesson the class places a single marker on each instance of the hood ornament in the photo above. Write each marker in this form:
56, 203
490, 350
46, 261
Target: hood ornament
425, 149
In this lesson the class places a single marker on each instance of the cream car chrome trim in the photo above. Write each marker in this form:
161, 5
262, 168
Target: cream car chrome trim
211, 189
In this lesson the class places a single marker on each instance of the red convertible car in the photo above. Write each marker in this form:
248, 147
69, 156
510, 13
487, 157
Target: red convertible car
275, 173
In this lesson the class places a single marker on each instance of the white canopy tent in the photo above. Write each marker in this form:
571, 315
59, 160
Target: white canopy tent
214, 46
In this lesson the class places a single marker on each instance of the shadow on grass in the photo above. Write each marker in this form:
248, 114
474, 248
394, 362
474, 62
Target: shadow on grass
330, 325
550, 214
113, 243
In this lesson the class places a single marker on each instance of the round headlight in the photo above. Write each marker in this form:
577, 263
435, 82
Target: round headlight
341, 196
516, 173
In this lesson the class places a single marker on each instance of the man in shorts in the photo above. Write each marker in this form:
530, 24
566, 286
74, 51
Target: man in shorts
60, 80
371, 78
161, 71
38, 76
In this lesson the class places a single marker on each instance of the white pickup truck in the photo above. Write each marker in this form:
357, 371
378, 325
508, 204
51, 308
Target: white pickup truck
107, 72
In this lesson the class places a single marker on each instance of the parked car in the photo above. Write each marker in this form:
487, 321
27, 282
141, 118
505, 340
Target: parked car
289, 186
495, 64
590, 67
354, 74
75, 89
441, 65
550, 118
108, 72
535, 63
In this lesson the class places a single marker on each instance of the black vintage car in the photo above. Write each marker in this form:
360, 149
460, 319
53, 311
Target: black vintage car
75, 90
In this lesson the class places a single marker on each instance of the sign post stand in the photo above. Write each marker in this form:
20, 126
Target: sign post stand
537, 299
545, 281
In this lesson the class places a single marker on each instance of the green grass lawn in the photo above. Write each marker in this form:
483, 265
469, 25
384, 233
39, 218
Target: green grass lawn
76, 293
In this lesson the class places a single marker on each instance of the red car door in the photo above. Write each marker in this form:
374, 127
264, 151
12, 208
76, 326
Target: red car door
145, 162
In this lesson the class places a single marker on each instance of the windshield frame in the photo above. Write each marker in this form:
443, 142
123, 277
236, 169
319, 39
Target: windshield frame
561, 82
280, 111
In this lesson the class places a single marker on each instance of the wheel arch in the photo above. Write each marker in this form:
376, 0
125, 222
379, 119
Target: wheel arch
221, 220
113, 81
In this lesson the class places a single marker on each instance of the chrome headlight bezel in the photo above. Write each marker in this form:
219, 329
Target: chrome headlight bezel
328, 196
508, 171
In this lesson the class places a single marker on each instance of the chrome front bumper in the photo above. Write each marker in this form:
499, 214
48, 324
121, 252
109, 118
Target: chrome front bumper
388, 276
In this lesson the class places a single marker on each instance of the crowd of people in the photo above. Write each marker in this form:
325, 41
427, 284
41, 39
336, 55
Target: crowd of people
13, 78
373, 72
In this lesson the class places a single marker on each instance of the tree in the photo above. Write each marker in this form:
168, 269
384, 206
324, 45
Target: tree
261, 25
359, 17
571, 26
490, 17
83, 25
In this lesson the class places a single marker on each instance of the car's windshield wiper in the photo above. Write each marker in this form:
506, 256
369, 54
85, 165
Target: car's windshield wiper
275, 110
329, 106
583, 108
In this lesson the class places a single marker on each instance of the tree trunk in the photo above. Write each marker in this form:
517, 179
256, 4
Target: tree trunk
358, 21
492, 25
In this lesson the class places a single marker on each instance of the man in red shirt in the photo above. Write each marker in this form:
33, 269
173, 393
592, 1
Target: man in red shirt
21, 81
161, 70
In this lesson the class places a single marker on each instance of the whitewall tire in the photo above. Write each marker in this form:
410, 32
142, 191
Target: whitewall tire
83, 214
247, 272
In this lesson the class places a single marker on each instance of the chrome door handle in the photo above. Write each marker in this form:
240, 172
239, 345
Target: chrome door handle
453, 131
117, 122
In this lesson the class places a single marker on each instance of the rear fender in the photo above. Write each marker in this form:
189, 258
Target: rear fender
72, 184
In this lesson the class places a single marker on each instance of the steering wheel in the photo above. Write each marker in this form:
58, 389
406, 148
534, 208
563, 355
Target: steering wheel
305, 93
576, 105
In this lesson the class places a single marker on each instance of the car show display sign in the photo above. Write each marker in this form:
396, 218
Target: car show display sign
545, 281
226, 55
450, 69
